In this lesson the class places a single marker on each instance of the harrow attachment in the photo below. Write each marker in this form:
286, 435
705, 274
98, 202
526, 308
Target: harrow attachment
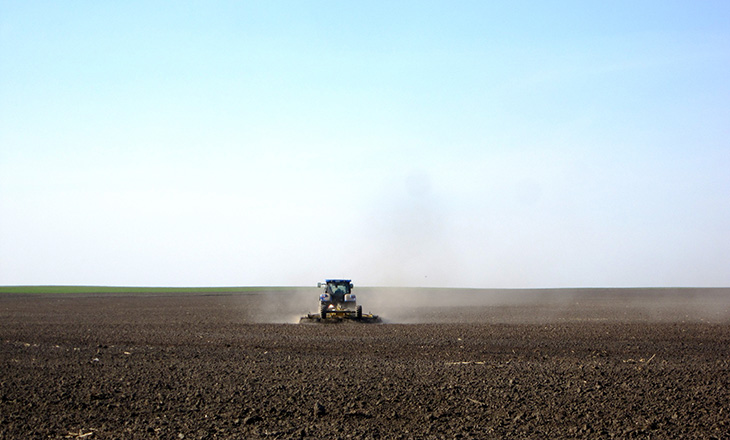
339, 316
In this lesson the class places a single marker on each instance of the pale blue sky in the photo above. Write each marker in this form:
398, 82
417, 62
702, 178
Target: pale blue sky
466, 144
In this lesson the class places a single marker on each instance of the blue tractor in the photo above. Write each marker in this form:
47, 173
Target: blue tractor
337, 303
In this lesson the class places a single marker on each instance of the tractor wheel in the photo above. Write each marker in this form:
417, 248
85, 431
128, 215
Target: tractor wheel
359, 312
323, 311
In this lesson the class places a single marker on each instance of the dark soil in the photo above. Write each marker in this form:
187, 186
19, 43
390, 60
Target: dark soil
204, 366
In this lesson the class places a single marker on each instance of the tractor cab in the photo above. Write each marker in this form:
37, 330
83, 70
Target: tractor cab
337, 297
339, 290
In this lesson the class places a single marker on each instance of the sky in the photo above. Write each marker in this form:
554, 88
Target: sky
396, 143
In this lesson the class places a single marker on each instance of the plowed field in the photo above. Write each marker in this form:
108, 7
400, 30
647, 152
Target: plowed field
477, 364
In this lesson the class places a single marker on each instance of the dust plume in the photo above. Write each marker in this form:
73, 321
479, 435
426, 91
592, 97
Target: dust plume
407, 305
282, 306
492, 306
409, 238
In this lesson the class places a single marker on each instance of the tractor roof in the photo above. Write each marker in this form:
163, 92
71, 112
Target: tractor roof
338, 281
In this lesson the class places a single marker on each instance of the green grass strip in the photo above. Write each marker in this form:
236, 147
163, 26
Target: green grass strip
130, 289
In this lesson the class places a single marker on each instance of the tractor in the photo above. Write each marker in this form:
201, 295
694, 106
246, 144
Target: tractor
337, 303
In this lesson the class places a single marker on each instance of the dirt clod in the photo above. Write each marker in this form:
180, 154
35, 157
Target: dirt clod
319, 409
250, 420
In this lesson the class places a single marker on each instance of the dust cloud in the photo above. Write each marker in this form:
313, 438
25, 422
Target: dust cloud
409, 238
281, 306
399, 305
411, 305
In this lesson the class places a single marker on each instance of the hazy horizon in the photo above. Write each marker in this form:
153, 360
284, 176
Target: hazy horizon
497, 145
